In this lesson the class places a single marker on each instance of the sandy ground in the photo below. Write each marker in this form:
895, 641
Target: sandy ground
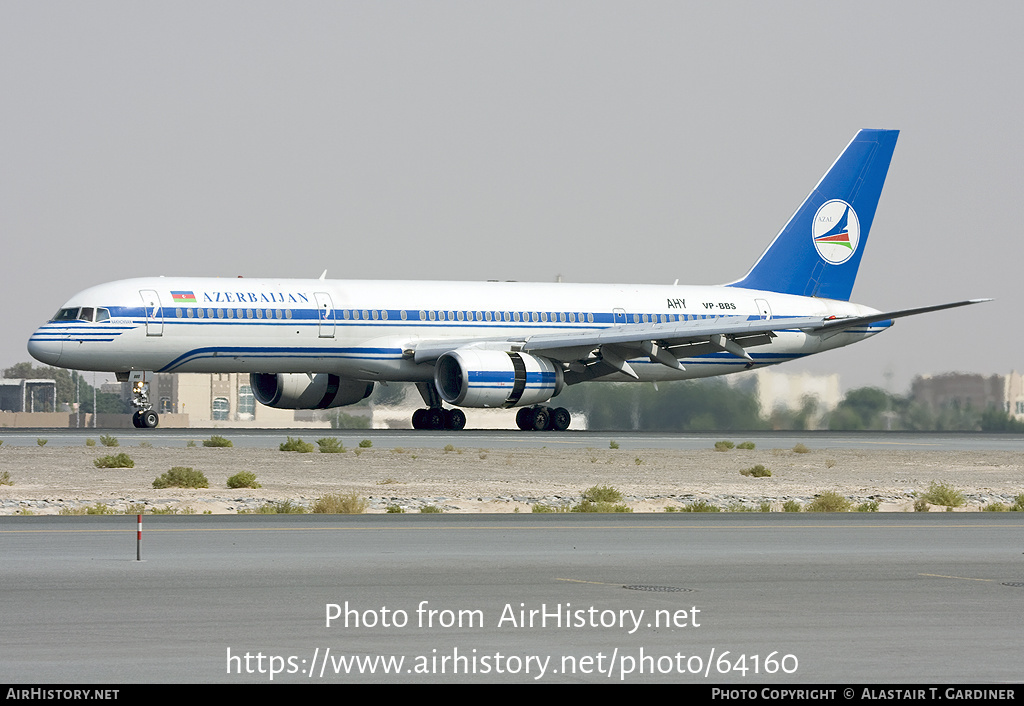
471, 480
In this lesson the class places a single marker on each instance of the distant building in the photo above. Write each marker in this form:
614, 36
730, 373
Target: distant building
28, 395
789, 392
971, 391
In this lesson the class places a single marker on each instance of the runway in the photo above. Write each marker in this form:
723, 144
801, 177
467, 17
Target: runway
754, 598
392, 438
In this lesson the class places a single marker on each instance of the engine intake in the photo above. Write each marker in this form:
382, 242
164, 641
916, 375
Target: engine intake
300, 391
482, 378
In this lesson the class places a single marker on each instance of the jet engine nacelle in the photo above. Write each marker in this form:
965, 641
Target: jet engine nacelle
483, 378
301, 391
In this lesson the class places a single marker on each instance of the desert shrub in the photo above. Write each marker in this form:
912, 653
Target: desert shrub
108, 440
395, 510
943, 494
792, 506
340, 504
297, 445
431, 510
448, 448
541, 508
764, 506
801, 449
746, 446
602, 493
700, 506
996, 507
920, 505
723, 445
90, 442
365, 444
869, 506
217, 442
181, 477
1018, 503
190, 444
757, 471
243, 479
168, 510
121, 460
600, 506
41, 442
331, 445
5, 478
283, 507
96, 509
829, 501
613, 444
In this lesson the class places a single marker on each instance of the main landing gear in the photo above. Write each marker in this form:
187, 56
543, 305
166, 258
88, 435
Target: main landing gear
439, 418
435, 416
536, 418
541, 418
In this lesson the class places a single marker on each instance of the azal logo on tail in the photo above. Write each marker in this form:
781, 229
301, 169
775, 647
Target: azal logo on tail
836, 232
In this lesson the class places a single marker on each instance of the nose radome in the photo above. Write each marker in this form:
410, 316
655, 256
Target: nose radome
45, 350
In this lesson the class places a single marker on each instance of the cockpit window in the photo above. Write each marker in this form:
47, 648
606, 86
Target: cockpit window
86, 313
66, 315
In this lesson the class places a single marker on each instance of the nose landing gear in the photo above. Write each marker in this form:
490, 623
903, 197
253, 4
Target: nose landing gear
144, 417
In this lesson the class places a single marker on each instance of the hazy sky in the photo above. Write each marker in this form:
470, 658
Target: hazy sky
604, 142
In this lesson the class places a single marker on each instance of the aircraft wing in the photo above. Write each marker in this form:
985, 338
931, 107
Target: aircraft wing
594, 353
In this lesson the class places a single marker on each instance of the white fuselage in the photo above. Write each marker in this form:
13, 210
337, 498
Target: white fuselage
368, 330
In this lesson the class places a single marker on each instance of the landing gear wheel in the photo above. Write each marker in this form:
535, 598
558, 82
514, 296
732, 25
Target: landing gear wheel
560, 419
136, 422
524, 418
433, 418
454, 419
417, 418
149, 419
541, 419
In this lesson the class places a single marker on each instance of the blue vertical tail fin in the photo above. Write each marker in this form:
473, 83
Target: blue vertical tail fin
818, 252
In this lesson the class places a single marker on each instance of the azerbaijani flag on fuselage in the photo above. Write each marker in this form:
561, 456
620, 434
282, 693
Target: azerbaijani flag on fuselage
185, 297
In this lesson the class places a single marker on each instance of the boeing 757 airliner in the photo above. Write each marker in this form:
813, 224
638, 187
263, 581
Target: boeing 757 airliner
317, 344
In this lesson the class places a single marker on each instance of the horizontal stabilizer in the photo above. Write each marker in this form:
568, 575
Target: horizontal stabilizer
839, 324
